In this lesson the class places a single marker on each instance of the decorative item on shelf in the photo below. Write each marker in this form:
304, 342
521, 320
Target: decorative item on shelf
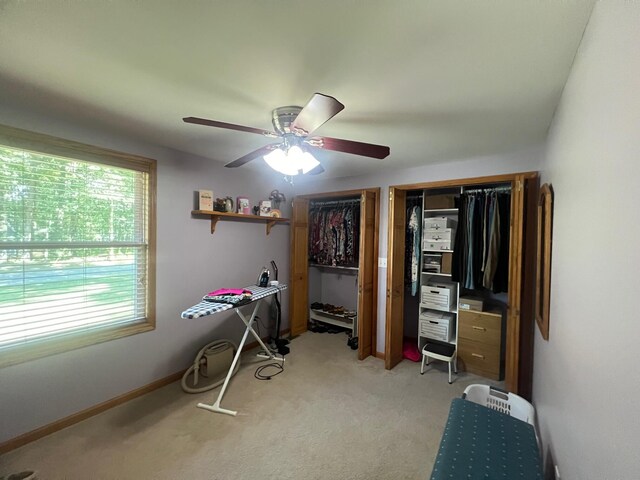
265, 208
219, 205
275, 213
242, 204
256, 210
205, 200
277, 198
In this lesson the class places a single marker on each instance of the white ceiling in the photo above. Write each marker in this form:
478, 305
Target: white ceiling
434, 80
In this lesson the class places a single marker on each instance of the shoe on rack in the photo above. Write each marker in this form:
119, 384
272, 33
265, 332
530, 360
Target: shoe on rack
318, 328
328, 307
350, 313
317, 306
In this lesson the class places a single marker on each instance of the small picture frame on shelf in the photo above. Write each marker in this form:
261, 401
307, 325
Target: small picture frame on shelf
205, 200
265, 208
242, 205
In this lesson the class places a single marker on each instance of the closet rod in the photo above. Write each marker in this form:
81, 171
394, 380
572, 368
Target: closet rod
326, 203
488, 189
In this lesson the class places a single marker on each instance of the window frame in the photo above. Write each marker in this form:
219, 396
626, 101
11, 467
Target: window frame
49, 145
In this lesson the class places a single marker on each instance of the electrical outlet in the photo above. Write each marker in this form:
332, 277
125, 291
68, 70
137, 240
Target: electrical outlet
382, 262
557, 472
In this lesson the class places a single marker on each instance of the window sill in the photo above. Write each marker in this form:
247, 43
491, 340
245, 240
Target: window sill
24, 353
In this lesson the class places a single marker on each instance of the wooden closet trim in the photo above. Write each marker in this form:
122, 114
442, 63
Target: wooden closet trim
344, 193
514, 316
508, 177
376, 246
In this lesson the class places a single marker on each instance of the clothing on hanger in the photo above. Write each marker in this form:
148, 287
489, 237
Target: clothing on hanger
334, 233
481, 245
413, 250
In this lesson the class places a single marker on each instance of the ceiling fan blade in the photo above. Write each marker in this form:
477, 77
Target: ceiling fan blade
316, 171
229, 126
315, 113
349, 146
252, 156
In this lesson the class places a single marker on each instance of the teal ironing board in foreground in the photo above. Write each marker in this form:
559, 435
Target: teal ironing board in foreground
479, 443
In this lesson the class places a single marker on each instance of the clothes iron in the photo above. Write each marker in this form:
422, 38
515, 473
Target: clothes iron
263, 278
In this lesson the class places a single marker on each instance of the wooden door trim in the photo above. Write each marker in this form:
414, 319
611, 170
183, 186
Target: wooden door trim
390, 357
294, 299
504, 178
512, 354
512, 347
367, 285
376, 247
343, 193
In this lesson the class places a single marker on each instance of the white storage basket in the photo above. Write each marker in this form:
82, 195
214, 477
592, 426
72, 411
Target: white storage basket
504, 402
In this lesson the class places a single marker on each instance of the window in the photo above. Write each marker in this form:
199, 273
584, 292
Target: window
77, 245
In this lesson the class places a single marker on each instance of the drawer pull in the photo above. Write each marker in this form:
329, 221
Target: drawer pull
479, 328
477, 355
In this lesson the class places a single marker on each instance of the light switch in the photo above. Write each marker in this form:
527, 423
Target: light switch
382, 262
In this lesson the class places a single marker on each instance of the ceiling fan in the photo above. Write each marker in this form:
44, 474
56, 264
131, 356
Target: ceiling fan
292, 153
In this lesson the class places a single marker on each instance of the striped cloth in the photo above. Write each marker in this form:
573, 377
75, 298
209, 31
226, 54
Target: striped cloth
205, 307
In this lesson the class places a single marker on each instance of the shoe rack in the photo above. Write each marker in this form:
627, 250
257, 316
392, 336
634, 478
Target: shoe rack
342, 312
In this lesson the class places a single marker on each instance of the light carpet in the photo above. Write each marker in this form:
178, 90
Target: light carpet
327, 416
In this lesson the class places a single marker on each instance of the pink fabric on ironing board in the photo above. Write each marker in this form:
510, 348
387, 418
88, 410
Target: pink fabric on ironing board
229, 291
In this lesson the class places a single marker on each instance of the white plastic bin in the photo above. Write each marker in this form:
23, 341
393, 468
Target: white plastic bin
504, 402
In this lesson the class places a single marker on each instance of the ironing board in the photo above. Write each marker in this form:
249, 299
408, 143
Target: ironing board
205, 308
480, 443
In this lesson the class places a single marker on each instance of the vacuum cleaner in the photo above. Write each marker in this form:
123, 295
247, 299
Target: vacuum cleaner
211, 362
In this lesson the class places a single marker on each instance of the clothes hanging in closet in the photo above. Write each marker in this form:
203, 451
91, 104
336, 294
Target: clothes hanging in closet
412, 250
334, 230
481, 248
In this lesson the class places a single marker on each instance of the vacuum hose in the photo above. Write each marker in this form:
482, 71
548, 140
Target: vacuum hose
202, 357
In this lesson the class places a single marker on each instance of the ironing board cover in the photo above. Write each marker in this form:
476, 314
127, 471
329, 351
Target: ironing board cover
206, 307
480, 443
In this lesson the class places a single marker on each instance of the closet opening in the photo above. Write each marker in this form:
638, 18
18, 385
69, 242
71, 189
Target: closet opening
334, 227
334, 275
460, 275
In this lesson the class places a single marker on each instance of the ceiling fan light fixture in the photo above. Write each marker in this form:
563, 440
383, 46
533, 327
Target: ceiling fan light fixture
293, 161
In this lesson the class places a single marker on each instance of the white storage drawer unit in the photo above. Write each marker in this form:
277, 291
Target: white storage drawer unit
439, 234
435, 245
438, 296
438, 223
437, 325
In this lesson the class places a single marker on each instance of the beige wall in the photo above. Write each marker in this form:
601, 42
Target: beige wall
586, 377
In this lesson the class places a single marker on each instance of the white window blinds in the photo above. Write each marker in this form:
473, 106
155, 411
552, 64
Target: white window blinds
74, 249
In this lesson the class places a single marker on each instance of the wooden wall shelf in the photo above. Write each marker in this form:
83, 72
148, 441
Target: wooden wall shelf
215, 216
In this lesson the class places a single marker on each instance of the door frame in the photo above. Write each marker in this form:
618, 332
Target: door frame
519, 284
373, 327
